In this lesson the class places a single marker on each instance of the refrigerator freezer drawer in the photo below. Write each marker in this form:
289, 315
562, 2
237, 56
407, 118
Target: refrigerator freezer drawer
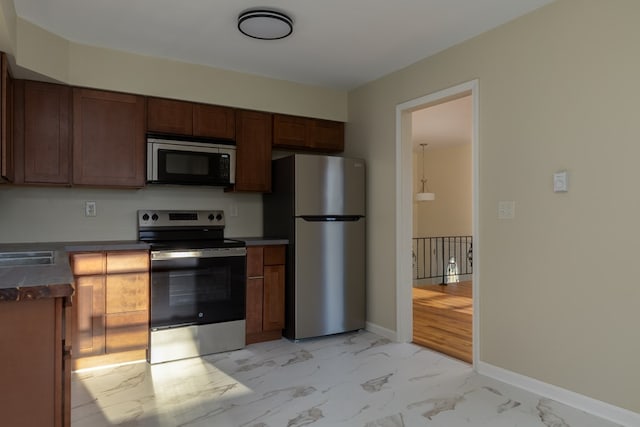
329, 290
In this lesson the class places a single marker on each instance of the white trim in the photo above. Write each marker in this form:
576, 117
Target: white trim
584, 403
383, 332
404, 203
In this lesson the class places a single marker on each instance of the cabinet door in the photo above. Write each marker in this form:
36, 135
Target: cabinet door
6, 107
253, 322
214, 121
327, 136
127, 301
273, 307
289, 131
45, 134
127, 292
127, 281
127, 331
108, 139
253, 156
169, 116
305, 133
89, 322
31, 352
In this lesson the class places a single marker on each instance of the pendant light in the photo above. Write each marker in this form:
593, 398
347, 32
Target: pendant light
424, 195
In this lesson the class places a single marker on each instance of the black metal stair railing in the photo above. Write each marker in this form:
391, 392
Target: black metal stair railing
447, 258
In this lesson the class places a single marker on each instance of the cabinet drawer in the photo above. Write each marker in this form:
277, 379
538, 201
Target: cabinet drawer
274, 255
127, 292
127, 262
83, 264
127, 331
254, 261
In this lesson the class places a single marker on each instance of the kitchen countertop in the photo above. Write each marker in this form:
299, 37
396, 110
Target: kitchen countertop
55, 280
261, 241
51, 280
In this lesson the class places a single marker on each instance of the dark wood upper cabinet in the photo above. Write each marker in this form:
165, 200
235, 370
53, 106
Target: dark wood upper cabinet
169, 116
190, 119
303, 133
214, 121
108, 138
6, 119
253, 155
42, 133
289, 131
327, 135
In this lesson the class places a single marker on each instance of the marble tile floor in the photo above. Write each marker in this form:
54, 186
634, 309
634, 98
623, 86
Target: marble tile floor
356, 379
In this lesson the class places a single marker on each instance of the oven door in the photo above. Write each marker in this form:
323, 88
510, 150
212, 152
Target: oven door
190, 287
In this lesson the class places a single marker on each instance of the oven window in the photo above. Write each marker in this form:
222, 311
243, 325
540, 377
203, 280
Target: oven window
188, 288
189, 291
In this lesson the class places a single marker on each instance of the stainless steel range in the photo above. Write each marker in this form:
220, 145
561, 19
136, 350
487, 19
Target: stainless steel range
197, 284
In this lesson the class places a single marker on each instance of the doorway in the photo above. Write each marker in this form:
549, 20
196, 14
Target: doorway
442, 238
458, 295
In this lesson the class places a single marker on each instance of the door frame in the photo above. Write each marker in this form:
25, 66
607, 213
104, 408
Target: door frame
404, 208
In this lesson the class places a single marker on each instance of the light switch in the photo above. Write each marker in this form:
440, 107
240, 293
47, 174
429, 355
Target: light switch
506, 209
560, 182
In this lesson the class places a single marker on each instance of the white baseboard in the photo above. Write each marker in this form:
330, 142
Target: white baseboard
383, 332
587, 404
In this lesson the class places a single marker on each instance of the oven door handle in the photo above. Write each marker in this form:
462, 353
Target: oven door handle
198, 253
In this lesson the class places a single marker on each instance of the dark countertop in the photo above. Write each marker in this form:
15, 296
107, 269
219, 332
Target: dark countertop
56, 279
50, 280
262, 241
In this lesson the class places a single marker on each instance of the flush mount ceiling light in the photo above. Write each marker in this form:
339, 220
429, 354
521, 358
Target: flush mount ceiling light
265, 24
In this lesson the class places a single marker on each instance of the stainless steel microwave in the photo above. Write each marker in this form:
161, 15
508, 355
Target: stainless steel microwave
189, 162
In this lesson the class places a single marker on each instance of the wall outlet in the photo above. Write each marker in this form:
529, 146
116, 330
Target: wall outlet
90, 209
234, 210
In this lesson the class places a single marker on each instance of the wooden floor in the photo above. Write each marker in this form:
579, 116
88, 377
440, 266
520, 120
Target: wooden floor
442, 317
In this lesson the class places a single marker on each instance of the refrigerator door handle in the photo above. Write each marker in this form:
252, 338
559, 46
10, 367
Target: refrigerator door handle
326, 218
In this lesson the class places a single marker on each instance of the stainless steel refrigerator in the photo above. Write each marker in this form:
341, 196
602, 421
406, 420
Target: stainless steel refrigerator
318, 203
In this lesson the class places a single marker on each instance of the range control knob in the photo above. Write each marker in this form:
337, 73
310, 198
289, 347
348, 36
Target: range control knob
154, 217
219, 217
145, 217
211, 217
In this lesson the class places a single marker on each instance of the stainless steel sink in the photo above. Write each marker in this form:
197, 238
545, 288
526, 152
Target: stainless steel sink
26, 258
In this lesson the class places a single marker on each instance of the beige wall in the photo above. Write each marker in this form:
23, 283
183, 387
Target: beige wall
557, 90
54, 58
448, 174
30, 214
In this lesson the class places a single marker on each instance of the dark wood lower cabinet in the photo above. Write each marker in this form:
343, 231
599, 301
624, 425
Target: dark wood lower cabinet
111, 314
34, 368
265, 293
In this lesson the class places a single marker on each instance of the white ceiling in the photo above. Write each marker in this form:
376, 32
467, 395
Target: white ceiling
337, 44
445, 124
